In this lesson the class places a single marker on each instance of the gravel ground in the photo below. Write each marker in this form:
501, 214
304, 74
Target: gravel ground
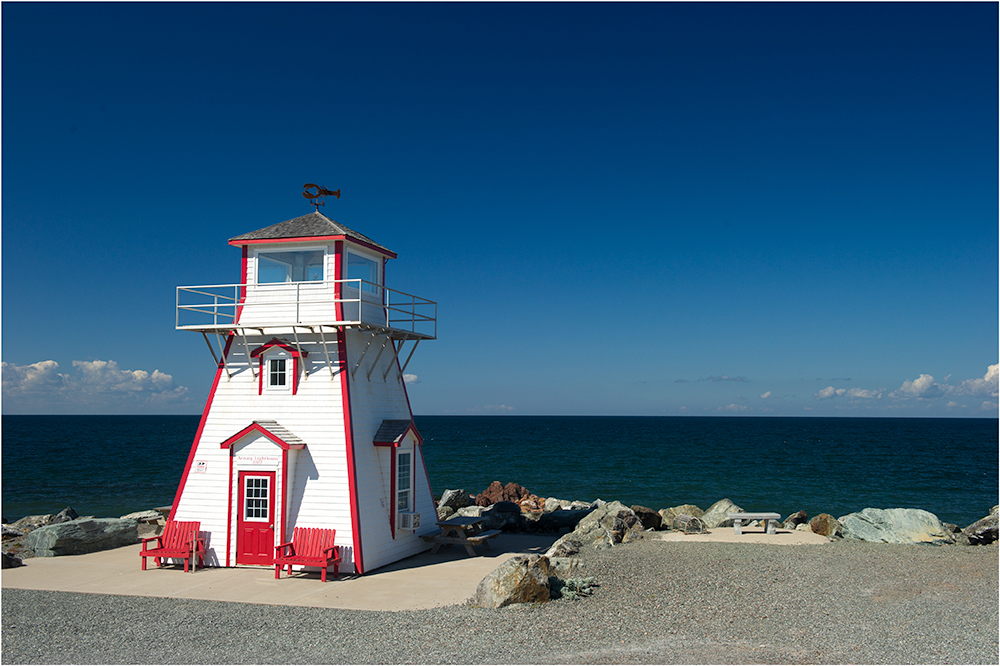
663, 603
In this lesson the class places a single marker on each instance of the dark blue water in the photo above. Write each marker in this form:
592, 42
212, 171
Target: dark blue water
110, 465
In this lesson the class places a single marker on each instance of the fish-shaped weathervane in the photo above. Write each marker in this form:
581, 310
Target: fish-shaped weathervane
316, 198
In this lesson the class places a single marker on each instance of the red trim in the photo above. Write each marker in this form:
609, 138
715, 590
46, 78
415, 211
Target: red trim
310, 239
272, 509
392, 493
256, 427
243, 283
201, 428
229, 518
284, 495
345, 394
296, 354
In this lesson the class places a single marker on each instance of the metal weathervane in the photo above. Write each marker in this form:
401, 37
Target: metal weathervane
316, 198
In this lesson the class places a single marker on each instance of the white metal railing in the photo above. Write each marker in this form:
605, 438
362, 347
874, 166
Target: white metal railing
208, 307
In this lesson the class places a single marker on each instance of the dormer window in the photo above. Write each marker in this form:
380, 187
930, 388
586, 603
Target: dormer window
279, 366
276, 377
300, 266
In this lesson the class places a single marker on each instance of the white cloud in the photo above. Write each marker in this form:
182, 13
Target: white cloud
989, 405
733, 408
92, 387
922, 387
765, 395
411, 379
498, 408
986, 386
830, 392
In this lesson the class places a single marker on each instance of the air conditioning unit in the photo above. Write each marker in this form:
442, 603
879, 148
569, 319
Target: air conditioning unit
408, 520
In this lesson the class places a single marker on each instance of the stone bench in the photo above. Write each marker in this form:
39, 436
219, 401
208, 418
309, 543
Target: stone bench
769, 520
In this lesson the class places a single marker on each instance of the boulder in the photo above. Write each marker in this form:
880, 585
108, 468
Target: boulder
521, 579
445, 512
82, 536
502, 516
984, 530
607, 525
718, 514
565, 546
11, 532
474, 511
512, 492
553, 504
150, 515
557, 521
667, 515
895, 526
956, 533
11, 561
651, 520
29, 523
794, 520
826, 525
65, 516
455, 499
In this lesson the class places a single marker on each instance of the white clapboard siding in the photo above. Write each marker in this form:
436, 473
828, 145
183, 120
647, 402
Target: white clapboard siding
318, 493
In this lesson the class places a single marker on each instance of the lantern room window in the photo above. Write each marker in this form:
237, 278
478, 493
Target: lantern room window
363, 268
303, 266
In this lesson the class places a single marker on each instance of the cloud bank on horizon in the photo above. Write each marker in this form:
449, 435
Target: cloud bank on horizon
90, 387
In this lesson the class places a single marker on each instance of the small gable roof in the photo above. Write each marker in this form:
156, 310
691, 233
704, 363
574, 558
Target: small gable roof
392, 432
315, 225
279, 342
270, 429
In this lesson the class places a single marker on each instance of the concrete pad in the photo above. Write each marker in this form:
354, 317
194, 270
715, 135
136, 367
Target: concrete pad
726, 535
448, 577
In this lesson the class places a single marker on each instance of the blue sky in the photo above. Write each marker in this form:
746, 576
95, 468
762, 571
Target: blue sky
654, 209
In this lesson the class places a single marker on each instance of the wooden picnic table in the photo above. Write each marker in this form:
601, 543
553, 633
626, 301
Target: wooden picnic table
462, 530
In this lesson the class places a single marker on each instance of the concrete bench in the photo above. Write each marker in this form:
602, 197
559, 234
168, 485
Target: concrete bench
769, 520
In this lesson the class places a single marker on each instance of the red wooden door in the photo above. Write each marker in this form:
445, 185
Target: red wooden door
255, 519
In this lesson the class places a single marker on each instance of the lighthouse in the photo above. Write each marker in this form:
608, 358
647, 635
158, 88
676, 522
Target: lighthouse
307, 423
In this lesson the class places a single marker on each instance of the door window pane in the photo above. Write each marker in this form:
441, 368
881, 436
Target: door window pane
255, 498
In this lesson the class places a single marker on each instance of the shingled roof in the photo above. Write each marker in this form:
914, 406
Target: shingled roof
313, 225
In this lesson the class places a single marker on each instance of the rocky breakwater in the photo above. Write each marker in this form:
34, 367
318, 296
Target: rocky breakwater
67, 533
602, 525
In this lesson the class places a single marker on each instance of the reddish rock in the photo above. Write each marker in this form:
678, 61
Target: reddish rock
826, 525
491, 495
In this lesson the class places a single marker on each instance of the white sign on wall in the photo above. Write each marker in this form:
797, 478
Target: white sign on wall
200, 466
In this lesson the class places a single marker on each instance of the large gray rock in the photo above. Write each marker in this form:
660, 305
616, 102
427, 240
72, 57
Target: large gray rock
607, 525
651, 520
555, 521
895, 526
984, 530
519, 580
10, 561
718, 514
667, 515
149, 515
30, 523
565, 546
82, 536
502, 515
455, 499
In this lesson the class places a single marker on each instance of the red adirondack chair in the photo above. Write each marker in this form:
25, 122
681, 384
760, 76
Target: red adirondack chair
310, 546
180, 540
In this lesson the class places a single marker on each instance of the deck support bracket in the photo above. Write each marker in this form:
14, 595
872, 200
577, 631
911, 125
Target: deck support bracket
246, 345
378, 356
392, 363
412, 349
326, 352
357, 365
222, 354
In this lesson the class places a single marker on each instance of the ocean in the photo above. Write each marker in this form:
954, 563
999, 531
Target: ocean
112, 465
